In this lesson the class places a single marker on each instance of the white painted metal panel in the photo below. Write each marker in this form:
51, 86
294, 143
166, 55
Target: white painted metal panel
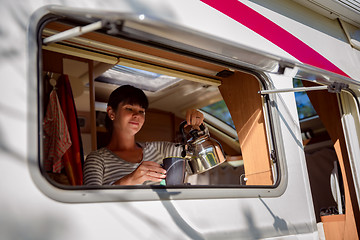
26, 211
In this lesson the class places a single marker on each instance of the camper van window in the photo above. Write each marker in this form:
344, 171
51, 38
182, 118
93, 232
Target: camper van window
234, 147
325, 146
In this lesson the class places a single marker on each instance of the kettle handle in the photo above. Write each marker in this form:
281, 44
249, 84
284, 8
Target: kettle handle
183, 138
183, 135
182, 131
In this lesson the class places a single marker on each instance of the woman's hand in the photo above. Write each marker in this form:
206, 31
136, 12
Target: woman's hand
194, 118
146, 171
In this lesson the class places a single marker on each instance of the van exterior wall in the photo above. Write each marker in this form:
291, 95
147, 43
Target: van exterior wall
25, 211
316, 31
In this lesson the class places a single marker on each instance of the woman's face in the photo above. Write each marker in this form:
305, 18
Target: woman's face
128, 118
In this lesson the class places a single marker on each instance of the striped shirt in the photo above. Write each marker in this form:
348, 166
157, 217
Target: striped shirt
103, 167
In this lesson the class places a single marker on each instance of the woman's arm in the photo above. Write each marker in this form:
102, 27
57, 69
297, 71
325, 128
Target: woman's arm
152, 171
93, 170
146, 171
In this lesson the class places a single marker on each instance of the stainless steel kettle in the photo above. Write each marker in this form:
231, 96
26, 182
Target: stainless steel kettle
201, 151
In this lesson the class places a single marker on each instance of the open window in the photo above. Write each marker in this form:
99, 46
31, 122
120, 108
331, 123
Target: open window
324, 120
83, 69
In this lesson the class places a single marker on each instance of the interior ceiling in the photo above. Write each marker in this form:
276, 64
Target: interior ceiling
122, 48
175, 98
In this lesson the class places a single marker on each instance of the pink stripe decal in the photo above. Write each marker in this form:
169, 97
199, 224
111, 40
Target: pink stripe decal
272, 32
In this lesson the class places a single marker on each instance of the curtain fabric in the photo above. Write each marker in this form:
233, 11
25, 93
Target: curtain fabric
73, 158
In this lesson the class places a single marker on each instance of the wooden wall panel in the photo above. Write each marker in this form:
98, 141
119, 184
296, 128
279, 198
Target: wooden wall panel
240, 92
52, 62
159, 126
334, 226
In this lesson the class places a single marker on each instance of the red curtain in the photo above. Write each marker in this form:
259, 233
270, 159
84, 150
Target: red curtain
73, 158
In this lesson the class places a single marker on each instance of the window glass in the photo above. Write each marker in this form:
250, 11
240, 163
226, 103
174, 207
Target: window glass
304, 106
146, 80
220, 110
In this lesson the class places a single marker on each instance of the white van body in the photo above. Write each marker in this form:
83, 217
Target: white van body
28, 207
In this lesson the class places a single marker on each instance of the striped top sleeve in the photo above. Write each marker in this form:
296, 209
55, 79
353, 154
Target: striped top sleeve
103, 167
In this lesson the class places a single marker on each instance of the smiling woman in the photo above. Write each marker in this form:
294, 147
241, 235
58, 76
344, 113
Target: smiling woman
124, 161
128, 100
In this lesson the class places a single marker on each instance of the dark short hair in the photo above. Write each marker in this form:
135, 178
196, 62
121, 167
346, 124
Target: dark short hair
125, 94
